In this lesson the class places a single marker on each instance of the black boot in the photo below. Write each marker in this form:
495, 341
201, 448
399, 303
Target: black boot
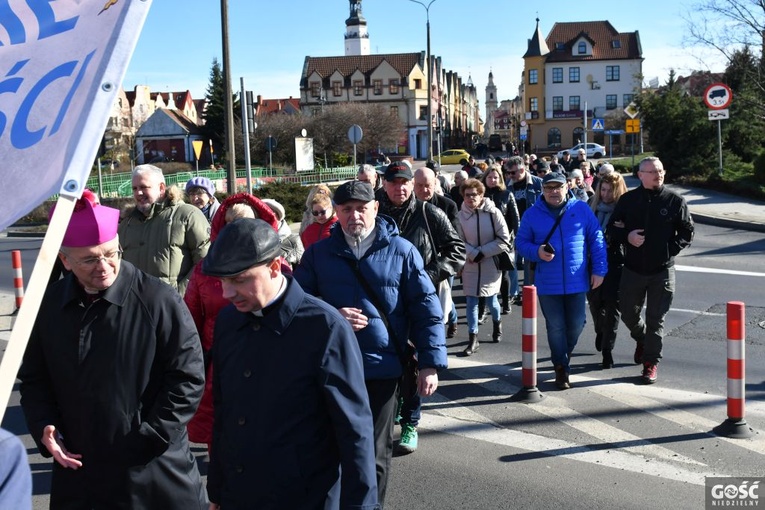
451, 330
496, 334
472, 346
608, 360
481, 310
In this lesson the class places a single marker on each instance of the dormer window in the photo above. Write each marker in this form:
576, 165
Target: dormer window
616, 44
559, 46
581, 48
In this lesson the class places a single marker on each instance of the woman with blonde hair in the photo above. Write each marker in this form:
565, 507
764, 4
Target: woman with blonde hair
604, 300
323, 218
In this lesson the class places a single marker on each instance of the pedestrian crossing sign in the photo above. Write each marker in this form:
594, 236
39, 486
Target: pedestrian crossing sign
597, 124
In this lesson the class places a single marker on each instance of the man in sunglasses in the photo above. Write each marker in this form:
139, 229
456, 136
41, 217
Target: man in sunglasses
526, 189
112, 374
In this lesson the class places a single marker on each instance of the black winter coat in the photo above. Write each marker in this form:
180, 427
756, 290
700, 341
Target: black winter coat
119, 378
663, 216
505, 202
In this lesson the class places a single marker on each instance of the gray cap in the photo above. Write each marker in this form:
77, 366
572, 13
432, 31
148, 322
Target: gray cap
240, 245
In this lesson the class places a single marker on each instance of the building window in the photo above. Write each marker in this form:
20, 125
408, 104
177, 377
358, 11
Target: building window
377, 84
337, 88
534, 104
557, 75
491, 95
573, 75
573, 103
610, 101
581, 48
423, 113
533, 76
627, 99
393, 86
578, 135
553, 138
358, 88
417, 83
315, 87
612, 73
315, 111
394, 111
557, 103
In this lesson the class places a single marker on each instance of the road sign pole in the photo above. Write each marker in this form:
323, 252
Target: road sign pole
719, 146
354, 155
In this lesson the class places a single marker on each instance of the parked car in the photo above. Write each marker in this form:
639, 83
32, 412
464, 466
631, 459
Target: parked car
594, 150
453, 156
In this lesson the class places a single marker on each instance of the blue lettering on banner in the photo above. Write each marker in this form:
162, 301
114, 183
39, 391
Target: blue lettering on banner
21, 137
46, 20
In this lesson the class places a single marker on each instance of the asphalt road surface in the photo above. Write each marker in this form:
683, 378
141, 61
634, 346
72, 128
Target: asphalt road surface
610, 441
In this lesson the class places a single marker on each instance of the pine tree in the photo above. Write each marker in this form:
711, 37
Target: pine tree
215, 110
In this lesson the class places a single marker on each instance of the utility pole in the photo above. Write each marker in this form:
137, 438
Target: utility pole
230, 153
428, 78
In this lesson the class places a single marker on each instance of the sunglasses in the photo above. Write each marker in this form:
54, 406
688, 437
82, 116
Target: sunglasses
319, 213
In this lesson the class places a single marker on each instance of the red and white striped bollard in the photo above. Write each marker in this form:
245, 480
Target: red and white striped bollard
18, 280
529, 392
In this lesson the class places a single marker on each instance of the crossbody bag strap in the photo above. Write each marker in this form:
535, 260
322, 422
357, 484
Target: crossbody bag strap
354, 264
555, 225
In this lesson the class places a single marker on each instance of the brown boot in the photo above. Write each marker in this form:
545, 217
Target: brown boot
451, 329
496, 334
472, 346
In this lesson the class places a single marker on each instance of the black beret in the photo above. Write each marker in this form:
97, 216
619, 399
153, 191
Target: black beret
240, 245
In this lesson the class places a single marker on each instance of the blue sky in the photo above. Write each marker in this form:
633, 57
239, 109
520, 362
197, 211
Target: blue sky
269, 39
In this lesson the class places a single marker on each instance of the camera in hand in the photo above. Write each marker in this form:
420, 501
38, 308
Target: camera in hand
548, 248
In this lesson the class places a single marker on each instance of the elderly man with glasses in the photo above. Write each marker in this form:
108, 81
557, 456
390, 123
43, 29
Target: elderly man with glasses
653, 225
111, 376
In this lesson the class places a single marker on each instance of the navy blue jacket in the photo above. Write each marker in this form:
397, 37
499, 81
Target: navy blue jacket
291, 410
394, 268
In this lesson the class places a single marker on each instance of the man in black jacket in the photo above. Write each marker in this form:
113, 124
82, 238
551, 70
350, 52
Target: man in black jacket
653, 225
443, 251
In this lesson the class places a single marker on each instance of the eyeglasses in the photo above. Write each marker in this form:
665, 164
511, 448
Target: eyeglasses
511, 172
197, 193
552, 189
92, 262
653, 172
472, 195
323, 212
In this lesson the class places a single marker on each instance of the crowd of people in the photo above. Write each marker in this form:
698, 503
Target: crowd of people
289, 353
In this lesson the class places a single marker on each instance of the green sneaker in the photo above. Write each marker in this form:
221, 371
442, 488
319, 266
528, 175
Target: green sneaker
408, 442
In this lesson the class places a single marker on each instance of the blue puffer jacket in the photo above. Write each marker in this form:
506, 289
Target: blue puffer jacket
578, 241
394, 268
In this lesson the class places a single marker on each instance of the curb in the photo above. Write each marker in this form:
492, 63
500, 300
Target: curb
717, 221
24, 234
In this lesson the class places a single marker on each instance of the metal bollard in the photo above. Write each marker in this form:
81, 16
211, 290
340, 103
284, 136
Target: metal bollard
529, 393
735, 426
18, 280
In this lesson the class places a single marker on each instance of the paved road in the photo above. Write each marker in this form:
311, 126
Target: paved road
609, 442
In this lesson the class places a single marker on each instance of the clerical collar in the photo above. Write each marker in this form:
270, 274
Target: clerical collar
266, 309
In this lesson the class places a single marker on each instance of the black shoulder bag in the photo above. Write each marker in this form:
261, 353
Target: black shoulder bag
408, 358
504, 261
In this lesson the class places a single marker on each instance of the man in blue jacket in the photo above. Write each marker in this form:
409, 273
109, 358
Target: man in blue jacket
292, 426
394, 270
562, 274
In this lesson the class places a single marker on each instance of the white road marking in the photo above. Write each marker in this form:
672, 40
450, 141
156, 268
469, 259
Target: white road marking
629, 452
694, 269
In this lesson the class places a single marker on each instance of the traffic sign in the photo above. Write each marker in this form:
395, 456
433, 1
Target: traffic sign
355, 133
597, 124
718, 96
632, 126
719, 114
523, 136
613, 132
270, 144
197, 144
631, 110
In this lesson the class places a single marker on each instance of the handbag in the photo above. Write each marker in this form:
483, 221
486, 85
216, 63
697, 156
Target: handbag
505, 261
407, 357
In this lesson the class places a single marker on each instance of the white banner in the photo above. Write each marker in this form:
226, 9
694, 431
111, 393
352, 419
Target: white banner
61, 65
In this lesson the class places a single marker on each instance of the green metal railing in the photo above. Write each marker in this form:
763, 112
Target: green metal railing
119, 184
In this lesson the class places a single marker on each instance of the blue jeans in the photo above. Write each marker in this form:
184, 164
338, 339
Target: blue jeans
564, 319
471, 311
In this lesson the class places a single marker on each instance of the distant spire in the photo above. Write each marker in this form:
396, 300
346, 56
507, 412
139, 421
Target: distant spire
356, 17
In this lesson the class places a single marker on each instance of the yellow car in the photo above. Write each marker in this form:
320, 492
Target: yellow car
453, 156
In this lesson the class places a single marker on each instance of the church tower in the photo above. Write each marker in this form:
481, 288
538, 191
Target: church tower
356, 35
491, 105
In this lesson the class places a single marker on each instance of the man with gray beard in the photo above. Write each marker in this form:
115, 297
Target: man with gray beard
398, 301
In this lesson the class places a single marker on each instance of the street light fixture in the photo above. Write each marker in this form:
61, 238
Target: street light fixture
427, 77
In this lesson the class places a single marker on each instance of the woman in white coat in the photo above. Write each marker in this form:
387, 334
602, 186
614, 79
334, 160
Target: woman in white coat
485, 233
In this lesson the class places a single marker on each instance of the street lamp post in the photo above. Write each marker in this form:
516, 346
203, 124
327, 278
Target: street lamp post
428, 77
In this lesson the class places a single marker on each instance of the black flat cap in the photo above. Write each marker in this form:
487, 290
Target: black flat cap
353, 190
241, 244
